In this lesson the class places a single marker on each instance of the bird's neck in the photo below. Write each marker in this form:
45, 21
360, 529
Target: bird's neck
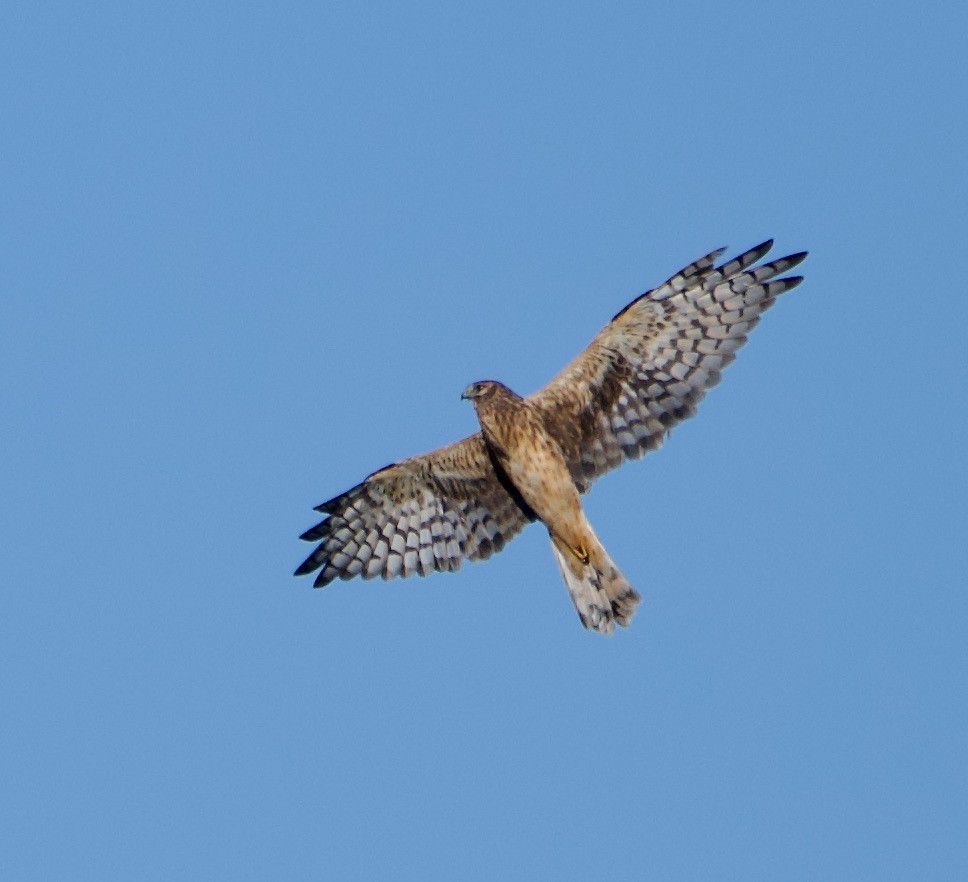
498, 416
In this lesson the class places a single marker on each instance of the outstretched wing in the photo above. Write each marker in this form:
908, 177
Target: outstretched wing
650, 366
429, 512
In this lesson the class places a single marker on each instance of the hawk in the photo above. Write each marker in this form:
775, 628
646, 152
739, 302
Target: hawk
534, 457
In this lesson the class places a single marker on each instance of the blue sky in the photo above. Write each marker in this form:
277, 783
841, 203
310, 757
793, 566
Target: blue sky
251, 252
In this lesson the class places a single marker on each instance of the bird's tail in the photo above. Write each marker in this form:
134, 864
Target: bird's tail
601, 594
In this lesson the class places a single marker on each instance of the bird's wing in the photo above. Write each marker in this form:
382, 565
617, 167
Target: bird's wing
649, 367
429, 512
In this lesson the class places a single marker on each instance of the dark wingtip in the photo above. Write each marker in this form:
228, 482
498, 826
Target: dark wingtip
323, 579
762, 249
745, 260
790, 282
308, 566
314, 534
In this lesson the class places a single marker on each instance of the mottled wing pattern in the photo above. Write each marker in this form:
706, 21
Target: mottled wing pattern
650, 366
429, 512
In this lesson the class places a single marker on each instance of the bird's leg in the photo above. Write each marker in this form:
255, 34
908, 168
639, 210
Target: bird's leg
579, 551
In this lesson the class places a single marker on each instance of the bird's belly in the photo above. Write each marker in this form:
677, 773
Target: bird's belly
544, 481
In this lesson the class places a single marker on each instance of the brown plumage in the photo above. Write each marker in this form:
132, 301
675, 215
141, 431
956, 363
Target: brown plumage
644, 372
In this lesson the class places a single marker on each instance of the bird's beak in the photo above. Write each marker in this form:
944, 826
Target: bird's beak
466, 394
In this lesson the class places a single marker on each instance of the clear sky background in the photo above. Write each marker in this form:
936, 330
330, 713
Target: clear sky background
252, 252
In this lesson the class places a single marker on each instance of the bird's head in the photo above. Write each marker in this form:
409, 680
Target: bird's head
481, 391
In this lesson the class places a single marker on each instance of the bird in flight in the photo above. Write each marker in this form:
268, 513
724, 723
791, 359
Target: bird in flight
534, 457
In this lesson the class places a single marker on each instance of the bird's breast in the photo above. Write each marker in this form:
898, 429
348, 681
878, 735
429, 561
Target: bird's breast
534, 463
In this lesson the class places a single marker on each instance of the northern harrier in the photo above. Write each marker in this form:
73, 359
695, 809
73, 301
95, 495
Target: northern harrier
643, 374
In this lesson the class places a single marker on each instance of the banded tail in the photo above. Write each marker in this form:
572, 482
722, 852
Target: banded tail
601, 594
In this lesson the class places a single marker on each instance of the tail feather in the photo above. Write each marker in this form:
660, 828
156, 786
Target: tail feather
601, 594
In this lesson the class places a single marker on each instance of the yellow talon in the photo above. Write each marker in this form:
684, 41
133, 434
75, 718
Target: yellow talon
581, 553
